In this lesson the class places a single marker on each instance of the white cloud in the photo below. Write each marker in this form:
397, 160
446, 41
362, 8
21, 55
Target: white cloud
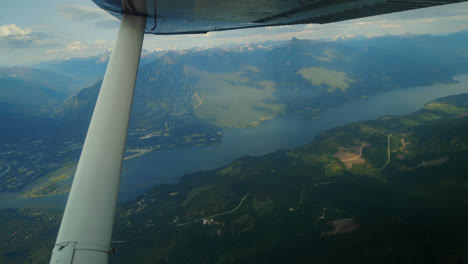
100, 42
13, 36
50, 51
312, 26
76, 46
365, 23
390, 26
13, 30
79, 46
460, 17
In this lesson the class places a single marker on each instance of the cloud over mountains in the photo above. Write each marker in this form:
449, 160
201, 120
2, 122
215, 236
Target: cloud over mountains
13, 36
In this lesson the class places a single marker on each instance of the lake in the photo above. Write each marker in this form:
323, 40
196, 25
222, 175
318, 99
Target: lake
286, 132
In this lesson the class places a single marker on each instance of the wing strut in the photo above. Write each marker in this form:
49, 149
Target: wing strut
86, 228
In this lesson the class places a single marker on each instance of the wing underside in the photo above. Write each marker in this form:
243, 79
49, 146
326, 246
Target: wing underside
201, 16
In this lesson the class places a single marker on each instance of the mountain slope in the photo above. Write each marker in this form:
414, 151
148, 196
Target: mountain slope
385, 191
32, 92
88, 69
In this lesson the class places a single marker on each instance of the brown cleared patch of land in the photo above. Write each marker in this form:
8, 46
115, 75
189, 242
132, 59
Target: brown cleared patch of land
403, 144
400, 156
346, 225
352, 155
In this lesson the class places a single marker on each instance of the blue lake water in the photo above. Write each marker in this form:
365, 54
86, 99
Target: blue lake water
286, 132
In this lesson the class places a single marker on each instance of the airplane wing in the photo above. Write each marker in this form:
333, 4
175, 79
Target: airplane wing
201, 16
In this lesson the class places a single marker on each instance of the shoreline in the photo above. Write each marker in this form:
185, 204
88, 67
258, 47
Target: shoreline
139, 153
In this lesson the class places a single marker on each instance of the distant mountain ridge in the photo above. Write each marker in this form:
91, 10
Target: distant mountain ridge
50, 79
372, 67
89, 69
28, 87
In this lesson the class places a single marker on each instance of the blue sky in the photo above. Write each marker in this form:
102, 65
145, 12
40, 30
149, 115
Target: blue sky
34, 31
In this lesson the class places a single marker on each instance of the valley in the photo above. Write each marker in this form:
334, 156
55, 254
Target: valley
251, 209
189, 98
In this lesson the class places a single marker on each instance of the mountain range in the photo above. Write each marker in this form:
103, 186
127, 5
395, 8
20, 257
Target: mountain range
185, 95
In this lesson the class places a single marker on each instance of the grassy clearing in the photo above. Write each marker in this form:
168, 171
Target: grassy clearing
327, 55
320, 76
56, 183
194, 138
234, 100
229, 171
447, 108
193, 193
263, 207
251, 68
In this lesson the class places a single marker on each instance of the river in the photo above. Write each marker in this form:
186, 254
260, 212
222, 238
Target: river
286, 132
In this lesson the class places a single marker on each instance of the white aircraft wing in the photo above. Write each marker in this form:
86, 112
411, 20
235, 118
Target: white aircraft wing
201, 16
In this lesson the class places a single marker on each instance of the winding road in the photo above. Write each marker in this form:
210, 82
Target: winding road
300, 201
388, 158
212, 216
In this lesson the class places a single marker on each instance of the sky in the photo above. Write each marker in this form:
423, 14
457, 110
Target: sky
34, 31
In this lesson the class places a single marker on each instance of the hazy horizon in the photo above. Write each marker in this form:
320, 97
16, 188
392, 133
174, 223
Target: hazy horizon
69, 30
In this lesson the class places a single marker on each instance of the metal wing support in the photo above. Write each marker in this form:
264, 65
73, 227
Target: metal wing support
86, 228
